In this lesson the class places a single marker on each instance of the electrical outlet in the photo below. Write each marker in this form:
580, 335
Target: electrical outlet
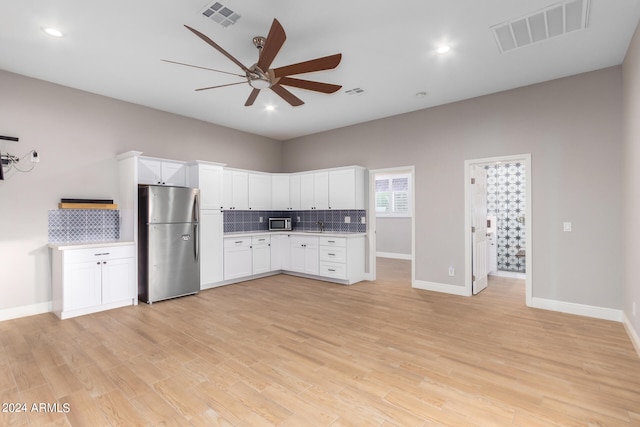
452, 271
363, 220
261, 219
347, 220
34, 157
566, 226
298, 219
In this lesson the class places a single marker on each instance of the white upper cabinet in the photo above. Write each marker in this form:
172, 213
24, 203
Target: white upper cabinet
280, 192
314, 190
208, 178
235, 190
347, 188
161, 172
294, 192
259, 191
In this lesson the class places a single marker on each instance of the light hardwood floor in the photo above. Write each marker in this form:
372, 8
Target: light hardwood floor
296, 352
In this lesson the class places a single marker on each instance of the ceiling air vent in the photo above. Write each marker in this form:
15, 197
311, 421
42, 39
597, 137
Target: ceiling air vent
221, 14
354, 91
557, 19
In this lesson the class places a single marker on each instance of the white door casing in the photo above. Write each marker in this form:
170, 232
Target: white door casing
479, 245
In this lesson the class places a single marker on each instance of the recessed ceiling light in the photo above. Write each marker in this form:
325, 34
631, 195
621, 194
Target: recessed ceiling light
443, 49
53, 32
270, 108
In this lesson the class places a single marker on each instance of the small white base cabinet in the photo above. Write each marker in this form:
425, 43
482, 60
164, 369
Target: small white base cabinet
91, 278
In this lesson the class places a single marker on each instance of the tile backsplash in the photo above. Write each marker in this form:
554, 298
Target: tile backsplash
83, 225
333, 220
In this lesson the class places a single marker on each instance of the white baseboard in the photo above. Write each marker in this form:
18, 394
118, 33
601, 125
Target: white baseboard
25, 310
633, 334
393, 255
440, 287
579, 309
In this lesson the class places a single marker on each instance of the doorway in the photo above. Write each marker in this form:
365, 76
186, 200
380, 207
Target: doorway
391, 222
511, 256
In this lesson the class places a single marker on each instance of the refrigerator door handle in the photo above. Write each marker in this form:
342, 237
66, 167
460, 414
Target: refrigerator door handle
196, 208
196, 242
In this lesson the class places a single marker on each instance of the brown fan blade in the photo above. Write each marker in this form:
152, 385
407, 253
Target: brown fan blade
215, 87
216, 46
309, 85
272, 46
202, 68
287, 96
318, 64
252, 97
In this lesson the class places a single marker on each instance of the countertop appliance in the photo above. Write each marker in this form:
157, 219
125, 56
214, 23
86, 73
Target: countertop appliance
279, 224
168, 242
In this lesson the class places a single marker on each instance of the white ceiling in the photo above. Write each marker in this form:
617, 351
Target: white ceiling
114, 48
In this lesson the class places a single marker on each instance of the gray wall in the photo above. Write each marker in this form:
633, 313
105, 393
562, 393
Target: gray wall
631, 85
573, 129
78, 135
393, 235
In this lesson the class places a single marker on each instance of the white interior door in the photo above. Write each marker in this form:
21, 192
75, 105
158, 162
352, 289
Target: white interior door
479, 246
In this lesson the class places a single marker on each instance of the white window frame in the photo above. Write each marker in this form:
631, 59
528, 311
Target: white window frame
393, 214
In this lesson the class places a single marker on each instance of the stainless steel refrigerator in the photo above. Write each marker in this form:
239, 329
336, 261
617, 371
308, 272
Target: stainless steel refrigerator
168, 242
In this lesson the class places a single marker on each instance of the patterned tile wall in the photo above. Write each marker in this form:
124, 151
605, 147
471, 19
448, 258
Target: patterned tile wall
83, 225
333, 220
506, 191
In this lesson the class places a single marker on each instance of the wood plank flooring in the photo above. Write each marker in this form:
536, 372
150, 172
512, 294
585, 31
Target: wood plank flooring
288, 351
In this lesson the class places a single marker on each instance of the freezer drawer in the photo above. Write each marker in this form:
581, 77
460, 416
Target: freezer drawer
170, 267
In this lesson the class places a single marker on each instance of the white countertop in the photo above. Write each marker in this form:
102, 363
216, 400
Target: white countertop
294, 233
89, 245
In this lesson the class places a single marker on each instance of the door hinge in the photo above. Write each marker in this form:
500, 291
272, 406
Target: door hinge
473, 278
473, 229
473, 180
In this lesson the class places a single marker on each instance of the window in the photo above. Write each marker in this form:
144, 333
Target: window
393, 195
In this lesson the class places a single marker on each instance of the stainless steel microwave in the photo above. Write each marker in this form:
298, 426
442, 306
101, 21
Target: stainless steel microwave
279, 224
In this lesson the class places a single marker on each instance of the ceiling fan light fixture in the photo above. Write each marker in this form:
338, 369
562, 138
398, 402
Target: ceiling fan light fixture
258, 83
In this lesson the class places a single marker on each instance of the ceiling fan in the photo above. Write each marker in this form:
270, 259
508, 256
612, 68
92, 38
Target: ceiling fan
259, 76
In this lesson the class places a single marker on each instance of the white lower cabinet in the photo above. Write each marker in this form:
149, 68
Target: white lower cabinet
337, 259
88, 280
211, 248
280, 252
334, 257
237, 258
261, 254
304, 254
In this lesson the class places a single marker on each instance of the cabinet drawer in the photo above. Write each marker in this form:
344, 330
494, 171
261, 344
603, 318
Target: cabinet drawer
336, 254
332, 269
239, 242
333, 241
260, 240
110, 252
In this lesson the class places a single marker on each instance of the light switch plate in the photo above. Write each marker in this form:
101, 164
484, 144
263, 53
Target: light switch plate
566, 226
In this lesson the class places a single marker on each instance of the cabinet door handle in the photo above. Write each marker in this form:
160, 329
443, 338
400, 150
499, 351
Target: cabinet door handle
331, 269
331, 254
104, 262
104, 253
